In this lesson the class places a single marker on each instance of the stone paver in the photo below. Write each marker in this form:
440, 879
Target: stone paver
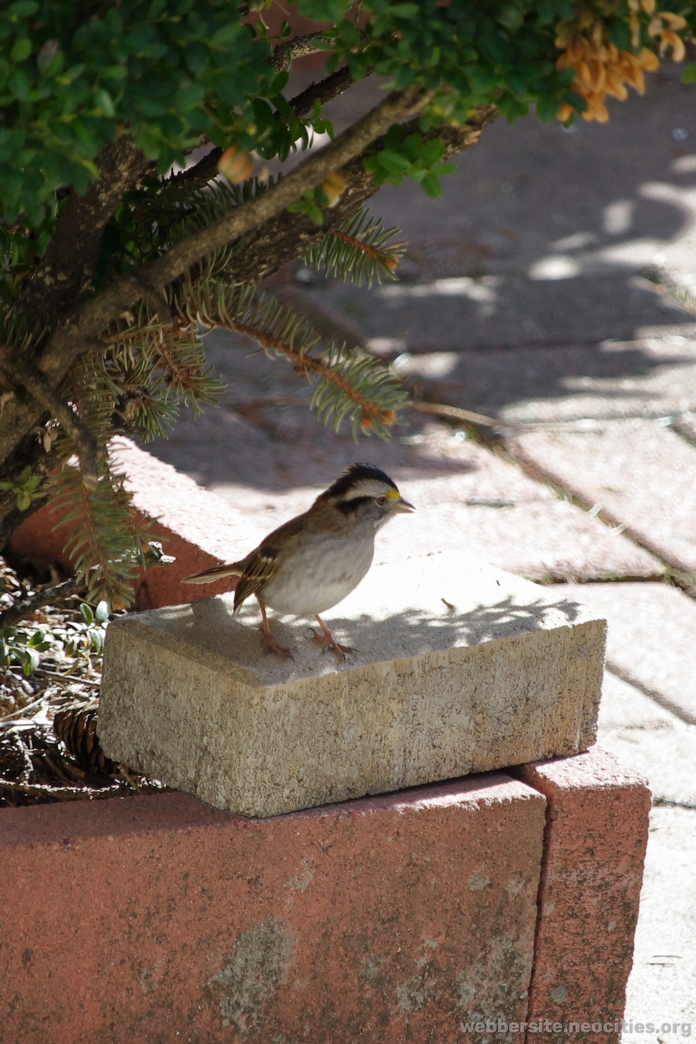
500, 311
650, 639
662, 984
650, 739
271, 463
653, 377
532, 199
640, 473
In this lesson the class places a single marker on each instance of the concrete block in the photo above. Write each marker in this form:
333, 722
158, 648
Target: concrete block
159, 919
458, 669
650, 640
596, 835
640, 473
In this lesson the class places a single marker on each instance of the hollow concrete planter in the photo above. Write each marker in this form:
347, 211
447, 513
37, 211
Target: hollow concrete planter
497, 906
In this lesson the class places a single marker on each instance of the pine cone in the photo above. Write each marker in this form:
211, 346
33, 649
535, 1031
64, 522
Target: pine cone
76, 727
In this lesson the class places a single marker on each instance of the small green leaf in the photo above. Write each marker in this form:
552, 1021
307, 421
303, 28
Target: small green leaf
21, 49
510, 16
101, 613
689, 74
348, 33
19, 85
315, 214
114, 72
23, 501
431, 186
431, 153
393, 137
23, 8
413, 149
32, 660
86, 613
394, 162
547, 107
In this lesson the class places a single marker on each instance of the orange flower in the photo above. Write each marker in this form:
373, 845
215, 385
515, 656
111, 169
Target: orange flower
334, 186
600, 68
236, 166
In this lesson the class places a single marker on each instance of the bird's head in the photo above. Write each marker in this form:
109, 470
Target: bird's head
364, 491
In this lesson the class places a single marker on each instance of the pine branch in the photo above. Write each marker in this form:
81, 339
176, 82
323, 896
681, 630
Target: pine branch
154, 365
358, 251
285, 237
346, 382
106, 541
268, 246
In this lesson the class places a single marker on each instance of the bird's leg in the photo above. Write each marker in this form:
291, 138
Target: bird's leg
269, 641
328, 641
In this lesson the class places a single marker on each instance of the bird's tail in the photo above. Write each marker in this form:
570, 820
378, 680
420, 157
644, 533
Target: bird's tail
216, 573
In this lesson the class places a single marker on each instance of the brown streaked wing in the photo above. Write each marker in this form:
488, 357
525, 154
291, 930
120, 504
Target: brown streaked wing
263, 563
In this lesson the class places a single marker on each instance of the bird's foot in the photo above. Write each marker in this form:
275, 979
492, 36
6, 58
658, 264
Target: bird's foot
327, 640
274, 647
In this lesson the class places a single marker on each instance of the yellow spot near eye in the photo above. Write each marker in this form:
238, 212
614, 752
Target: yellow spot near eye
393, 494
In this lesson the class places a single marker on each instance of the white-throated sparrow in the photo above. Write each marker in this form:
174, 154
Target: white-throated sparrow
312, 562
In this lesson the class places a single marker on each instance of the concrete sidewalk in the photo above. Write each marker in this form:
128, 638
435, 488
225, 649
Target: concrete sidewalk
523, 296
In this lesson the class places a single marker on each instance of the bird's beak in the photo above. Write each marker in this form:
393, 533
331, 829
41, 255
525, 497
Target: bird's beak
403, 505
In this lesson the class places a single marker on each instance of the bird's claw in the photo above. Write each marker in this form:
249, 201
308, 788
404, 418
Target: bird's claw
273, 646
329, 643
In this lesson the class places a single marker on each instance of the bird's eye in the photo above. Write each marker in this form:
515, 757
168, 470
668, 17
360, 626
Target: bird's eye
381, 501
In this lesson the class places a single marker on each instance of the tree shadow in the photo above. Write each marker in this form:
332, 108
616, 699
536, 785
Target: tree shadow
219, 639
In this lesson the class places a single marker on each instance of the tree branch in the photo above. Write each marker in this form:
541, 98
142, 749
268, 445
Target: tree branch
302, 104
67, 267
123, 293
41, 390
283, 238
277, 237
284, 54
42, 596
330, 87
